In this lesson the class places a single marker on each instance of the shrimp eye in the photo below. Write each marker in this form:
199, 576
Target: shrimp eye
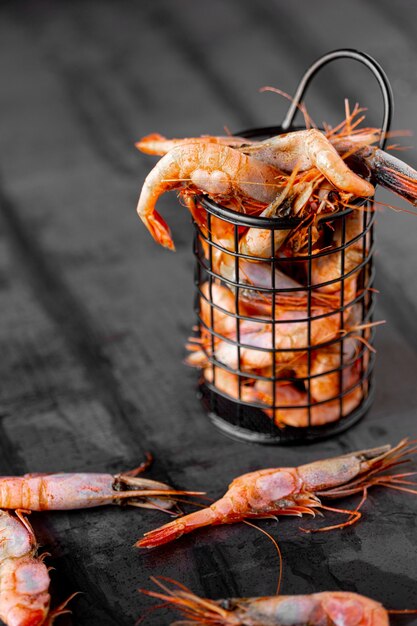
285, 209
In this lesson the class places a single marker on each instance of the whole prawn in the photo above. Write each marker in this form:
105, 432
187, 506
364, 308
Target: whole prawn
66, 491
328, 608
257, 171
214, 168
24, 577
296, 491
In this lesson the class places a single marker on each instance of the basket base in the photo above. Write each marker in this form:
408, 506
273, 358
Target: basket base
273, 435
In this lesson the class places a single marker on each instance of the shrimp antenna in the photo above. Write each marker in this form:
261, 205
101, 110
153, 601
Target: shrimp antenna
301, 107
61, 609
199, 610
278, 549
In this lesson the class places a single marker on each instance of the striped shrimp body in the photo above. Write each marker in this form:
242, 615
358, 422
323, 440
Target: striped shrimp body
295, 491
328, 608
24, 577
66, 491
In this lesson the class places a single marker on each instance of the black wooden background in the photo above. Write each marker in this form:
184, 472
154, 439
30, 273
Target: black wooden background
94, 315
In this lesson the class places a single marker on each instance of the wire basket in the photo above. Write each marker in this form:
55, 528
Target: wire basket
287, 343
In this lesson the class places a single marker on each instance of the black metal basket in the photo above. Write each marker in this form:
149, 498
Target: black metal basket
315, 349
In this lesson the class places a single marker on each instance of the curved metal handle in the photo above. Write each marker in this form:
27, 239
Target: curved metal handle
363, 58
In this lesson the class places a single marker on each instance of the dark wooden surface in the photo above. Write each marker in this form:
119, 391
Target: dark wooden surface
95, 315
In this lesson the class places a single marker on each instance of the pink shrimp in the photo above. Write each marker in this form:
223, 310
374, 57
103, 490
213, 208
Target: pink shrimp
305, 149
256, 278
228, 383
293, 401
24, 577
326, 383
159, 145
330, 608
224, 309
333, 266
225, 172
212, 168
53, 492
295, 491
258, 339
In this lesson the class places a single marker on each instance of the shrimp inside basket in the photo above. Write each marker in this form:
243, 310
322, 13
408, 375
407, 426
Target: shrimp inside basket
284, 306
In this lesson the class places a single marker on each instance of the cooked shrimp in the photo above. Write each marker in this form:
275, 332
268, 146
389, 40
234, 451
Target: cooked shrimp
259, 279
292, 402
24, 577
228, 383
256, 275
304, 149
211, 168
53, 492
326, 383
310, 148
328, 608
221, 316
159, 145
292, 334
341, 263
295, 491
292, 200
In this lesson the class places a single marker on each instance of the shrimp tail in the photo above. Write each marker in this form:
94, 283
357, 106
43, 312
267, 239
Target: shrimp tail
391, 173
159, 230
154, 144
177, 528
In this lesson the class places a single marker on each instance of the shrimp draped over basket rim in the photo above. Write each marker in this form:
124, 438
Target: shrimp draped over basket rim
259, 170
297, 491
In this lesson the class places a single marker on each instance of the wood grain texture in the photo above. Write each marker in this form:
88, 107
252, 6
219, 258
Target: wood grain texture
95, 315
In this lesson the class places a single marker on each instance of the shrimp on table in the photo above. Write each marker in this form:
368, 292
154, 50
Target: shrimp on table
328, 608
296, 491
24, 577
59, 492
